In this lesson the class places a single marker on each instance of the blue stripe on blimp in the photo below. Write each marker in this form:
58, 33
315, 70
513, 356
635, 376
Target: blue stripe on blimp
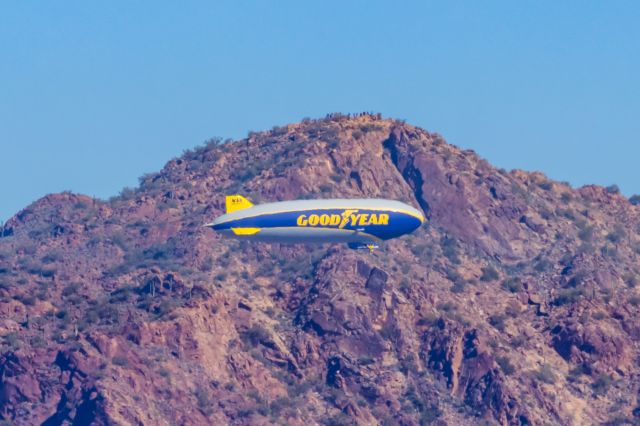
395, 224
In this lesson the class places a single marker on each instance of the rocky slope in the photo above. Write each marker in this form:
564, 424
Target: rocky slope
517, 303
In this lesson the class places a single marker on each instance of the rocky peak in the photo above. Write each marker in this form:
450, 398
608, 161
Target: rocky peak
516, 303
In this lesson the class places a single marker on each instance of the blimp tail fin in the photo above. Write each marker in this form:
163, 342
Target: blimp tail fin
237, 202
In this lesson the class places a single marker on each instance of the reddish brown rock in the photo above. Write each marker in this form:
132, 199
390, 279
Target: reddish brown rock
127, 311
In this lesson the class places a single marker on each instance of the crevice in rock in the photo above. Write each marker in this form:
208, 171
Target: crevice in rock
409, 173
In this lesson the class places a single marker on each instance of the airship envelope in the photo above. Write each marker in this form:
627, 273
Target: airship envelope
358, 222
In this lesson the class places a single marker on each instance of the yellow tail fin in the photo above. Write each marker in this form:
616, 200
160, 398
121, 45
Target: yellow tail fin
237, 202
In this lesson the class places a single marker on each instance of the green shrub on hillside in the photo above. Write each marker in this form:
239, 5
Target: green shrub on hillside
450, 250
545, 374
498, 321
489, 273
569, 295
613, 189
586, 233
602, 384
505, 365
513, 285
617, 235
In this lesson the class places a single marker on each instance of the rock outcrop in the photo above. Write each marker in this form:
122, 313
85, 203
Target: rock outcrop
517, 303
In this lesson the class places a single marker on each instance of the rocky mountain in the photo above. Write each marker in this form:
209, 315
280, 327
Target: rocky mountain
517, 302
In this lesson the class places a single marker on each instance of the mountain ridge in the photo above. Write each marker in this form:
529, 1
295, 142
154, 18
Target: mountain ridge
515, 304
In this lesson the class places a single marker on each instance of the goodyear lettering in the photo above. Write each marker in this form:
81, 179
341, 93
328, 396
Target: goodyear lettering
348, 217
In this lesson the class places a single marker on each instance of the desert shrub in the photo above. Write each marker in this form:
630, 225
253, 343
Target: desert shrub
12, 341
617, 235
577, 279
405, 285
459, 287
569, 295
566, 197
38, 342
489, 273
505, 365
414, 401
370, 127
566, 213
279, 404
120, 361
635, 200
389, 332
587, 248
513, 309
168, 204
337, 177
297, 389
497, 321
545, 374
428, 320
512, 285
119, 239
29, 265
602, 384
81, 205
423, 251
52, 256
447, 307
606, 293
613, 189
547, 186
340, 419
449, 247
27, 248
121, 294
545, 213
204, 400
634, 300
630, 280
70, 289
127, 194
5, 284
325, 188
610, 251
453, 275
518, 341
586, 233
27, 300
576, 372
255, 335
279, 130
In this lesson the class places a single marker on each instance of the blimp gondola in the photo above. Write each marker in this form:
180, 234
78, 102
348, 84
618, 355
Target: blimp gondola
360, 223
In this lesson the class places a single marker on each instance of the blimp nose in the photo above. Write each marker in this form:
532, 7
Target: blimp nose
419, 215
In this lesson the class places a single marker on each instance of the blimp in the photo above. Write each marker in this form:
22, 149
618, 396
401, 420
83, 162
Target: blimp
360, 223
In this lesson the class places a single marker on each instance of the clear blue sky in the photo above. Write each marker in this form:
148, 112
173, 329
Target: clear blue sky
94, 94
